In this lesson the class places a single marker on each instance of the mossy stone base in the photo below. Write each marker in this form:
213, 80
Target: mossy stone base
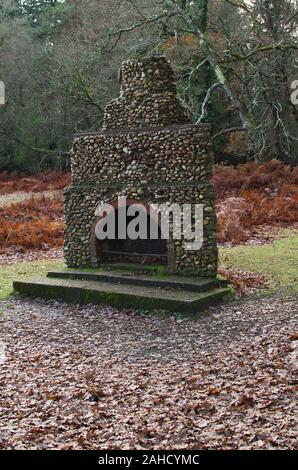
138, 292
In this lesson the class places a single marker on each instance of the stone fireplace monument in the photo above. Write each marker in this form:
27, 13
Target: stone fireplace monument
147, 151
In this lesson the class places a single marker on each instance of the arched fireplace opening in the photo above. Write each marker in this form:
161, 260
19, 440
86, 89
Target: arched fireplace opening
143, 250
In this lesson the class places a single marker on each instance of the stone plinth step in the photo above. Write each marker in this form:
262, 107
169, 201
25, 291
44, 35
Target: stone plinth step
141, 279
121, 295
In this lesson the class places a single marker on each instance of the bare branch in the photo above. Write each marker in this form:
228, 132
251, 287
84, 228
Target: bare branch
206, 101
137, 9
279, 46
152, 19
25, 144
241, 5
292, 17
229, 131
86, 93
211, 56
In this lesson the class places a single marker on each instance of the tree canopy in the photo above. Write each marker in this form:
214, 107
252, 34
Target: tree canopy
235, 63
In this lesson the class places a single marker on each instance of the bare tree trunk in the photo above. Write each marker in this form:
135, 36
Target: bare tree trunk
210, 55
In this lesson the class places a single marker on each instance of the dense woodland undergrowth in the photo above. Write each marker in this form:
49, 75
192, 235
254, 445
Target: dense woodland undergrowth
248, 197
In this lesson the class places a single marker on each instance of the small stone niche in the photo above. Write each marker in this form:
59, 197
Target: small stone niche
149, 152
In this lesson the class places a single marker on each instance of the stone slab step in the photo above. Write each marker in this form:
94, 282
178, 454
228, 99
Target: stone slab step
120, 295
143, 279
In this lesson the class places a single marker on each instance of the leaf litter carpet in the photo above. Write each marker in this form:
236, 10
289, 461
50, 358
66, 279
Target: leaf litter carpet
92, 377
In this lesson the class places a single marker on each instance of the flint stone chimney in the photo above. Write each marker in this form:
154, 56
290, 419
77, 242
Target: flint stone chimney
148, 151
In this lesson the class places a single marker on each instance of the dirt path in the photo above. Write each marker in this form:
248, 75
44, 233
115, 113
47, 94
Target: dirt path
92, 377
19, 196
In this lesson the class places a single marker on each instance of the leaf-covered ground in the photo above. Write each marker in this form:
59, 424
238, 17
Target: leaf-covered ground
94, 378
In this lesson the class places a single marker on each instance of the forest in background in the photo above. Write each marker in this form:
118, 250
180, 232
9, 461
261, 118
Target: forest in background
234, 60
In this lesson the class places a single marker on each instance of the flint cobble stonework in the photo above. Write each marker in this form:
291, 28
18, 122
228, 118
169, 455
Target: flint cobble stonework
149, 152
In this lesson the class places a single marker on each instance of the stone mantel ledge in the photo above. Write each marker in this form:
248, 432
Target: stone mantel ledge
150, 130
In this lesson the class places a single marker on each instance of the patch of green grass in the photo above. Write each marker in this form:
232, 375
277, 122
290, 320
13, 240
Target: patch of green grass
277, 261
24, 270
